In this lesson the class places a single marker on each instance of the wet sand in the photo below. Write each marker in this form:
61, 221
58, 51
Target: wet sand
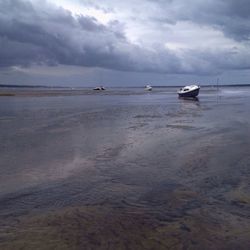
125, 170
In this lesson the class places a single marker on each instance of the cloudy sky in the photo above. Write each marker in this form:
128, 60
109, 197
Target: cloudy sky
117, 43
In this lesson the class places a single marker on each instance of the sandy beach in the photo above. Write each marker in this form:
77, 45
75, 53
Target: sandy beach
124, 169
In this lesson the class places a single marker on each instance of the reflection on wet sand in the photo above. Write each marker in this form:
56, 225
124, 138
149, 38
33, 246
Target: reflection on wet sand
191, 99
115, 173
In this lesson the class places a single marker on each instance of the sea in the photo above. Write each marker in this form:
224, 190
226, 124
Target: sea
124, 168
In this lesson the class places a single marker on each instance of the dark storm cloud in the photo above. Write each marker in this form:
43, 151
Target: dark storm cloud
50, 35
230, 16
41, 33
236, 20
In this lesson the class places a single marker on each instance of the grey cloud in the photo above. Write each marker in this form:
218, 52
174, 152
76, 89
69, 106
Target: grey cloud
45, 34
239, 8
53, 36
231, 17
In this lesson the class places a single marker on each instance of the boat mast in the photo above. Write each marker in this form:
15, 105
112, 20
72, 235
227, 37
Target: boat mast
217, 83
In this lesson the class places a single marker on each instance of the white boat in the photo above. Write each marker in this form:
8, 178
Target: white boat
99, 88
148, 87
189, 91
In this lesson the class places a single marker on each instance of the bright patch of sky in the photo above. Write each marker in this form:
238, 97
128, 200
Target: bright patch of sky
147, 24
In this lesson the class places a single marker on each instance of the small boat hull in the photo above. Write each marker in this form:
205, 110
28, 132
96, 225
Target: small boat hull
99, 88
193, 93
148, 88
189, 91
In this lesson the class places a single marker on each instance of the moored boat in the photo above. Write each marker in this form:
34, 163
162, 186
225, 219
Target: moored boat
148, 87
189, 91
99, 88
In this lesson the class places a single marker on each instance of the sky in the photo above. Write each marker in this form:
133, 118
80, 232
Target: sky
124, 43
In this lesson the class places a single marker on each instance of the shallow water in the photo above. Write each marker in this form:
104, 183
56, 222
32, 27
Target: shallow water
181, 166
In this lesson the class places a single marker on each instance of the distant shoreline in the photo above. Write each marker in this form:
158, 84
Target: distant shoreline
28, 86
154, 86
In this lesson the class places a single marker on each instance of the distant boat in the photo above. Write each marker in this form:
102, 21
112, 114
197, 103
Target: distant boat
99, 88
189, 91
148, 87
